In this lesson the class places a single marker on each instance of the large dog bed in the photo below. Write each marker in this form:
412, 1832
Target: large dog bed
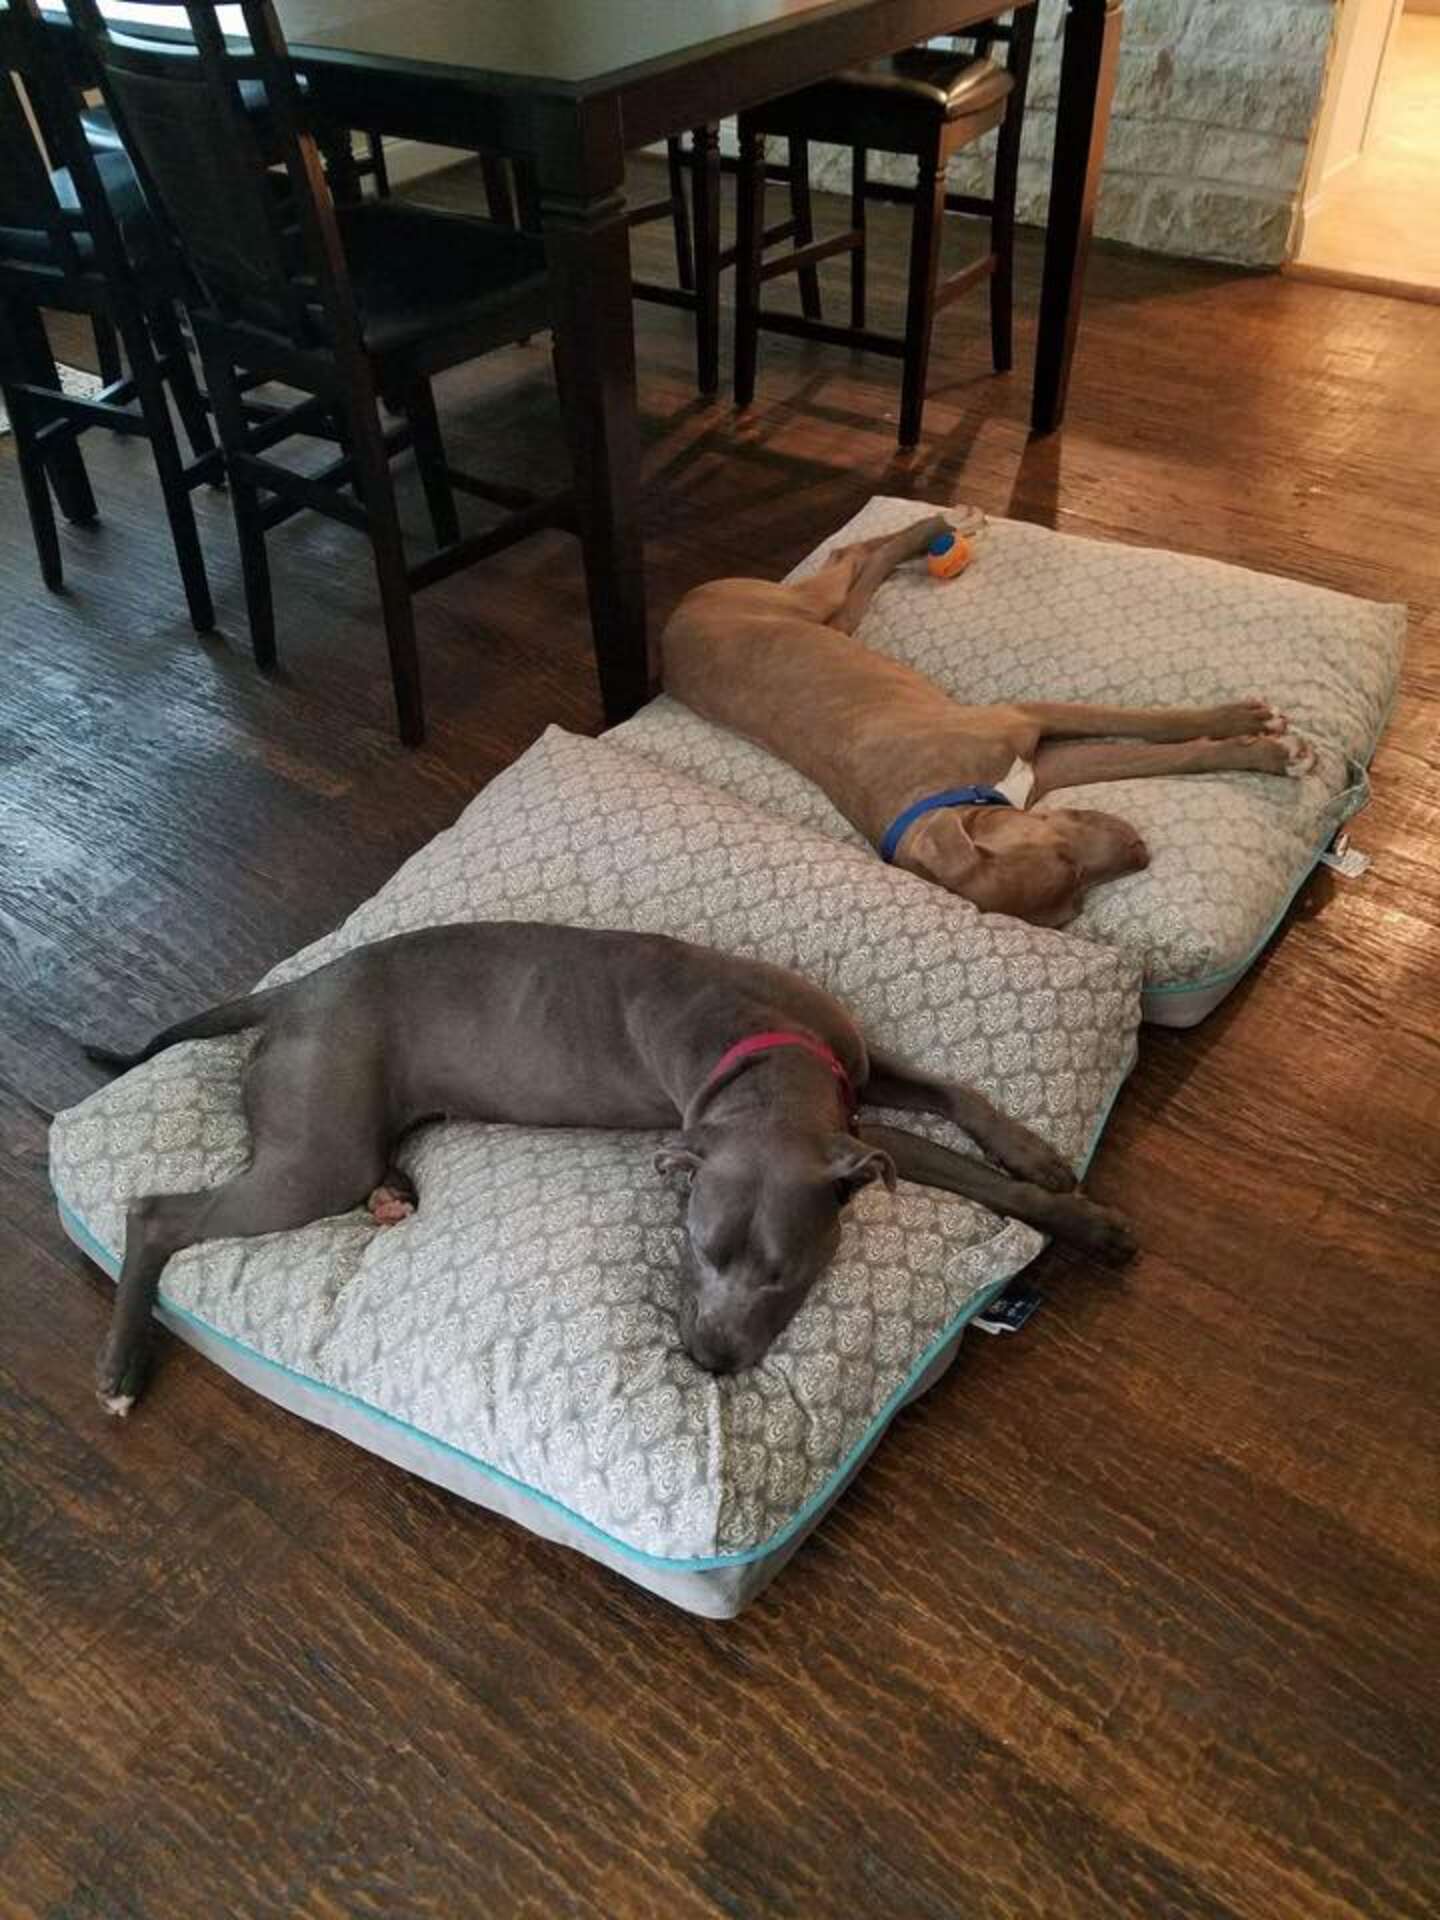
516, 1340
1049, 616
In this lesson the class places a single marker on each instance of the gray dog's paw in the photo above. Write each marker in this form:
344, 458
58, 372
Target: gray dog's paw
117, 1382
389, 1205
1111, 1237
1028, 1157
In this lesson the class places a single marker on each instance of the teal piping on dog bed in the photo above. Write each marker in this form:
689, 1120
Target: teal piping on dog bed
1357, 795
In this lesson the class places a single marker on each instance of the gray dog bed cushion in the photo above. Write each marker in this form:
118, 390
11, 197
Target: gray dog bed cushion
1048, 616
516, 1339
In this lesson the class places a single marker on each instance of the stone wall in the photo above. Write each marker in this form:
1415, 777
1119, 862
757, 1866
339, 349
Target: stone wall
1214, 102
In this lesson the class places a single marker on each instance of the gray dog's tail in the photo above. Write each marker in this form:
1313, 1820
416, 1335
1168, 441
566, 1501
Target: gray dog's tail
232, 1017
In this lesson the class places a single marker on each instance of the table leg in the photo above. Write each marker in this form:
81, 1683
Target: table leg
587, 244
1087, 80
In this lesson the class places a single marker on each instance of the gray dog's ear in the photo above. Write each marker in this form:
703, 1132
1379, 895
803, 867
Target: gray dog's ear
853, 1165
678, 1155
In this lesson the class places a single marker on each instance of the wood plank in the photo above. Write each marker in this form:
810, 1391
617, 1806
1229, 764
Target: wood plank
1135, 1615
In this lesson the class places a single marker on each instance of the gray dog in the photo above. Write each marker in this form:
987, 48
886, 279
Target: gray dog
558, 1026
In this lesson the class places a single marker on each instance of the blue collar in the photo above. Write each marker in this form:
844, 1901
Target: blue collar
954, 797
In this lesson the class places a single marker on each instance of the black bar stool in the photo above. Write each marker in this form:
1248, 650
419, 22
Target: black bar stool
699, 257
345, 301
76, 236
928, 102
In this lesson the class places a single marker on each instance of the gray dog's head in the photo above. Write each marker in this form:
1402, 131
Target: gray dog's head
762, 1223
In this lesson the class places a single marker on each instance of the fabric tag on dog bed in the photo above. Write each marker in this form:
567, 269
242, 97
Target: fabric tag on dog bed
516, 1338
1047, 616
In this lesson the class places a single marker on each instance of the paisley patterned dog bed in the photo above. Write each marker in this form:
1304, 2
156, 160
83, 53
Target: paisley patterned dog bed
1048, 616
515, 1340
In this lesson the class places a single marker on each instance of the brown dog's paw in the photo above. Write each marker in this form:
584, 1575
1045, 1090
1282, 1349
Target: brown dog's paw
1287, 754
1028, 1157
924, 531
1238, 718
1299, 757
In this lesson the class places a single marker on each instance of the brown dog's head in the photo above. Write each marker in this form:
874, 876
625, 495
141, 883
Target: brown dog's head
761, 1225
1037, 866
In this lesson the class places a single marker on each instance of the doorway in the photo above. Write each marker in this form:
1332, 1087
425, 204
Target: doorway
1370, 213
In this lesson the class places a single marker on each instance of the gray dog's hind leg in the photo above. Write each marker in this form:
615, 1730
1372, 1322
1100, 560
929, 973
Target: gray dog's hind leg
306, 1172
1067, 1216
1010, 1142
269, 1197
314, 1101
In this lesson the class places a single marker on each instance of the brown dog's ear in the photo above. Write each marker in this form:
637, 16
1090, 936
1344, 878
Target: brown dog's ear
678, 1155
854, 1164
940, 850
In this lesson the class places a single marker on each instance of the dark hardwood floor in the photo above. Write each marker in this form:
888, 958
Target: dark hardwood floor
1137, 1614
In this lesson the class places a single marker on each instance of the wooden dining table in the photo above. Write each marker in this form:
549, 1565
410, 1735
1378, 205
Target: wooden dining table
570, 87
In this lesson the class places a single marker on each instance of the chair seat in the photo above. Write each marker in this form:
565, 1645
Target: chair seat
32, 245
426, 280
953, 85
899, 105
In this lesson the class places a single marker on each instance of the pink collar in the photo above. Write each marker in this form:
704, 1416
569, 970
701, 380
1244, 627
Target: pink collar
767, 1043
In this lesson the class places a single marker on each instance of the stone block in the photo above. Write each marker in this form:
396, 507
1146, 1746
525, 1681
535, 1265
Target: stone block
1216, 223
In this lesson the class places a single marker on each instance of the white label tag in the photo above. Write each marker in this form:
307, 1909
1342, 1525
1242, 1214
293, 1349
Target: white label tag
1343, 858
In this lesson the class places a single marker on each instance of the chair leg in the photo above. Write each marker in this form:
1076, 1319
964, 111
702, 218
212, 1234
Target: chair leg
705, 179
373, 484
809, 277
429, 448
1002, 291
680, 212
107, 350
341, 172
499, 201
36, 487
858, 158
180, 375
226, 396
169, 468
63, 462
379, 171
920, 306
749, 242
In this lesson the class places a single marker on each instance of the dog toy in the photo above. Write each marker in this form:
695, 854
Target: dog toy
948, 555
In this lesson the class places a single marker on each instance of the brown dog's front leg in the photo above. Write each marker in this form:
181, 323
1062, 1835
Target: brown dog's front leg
1010, 1142
1084, 763
1068, 1216
1077, 720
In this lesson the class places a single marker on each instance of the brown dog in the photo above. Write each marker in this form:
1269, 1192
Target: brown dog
778, 664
